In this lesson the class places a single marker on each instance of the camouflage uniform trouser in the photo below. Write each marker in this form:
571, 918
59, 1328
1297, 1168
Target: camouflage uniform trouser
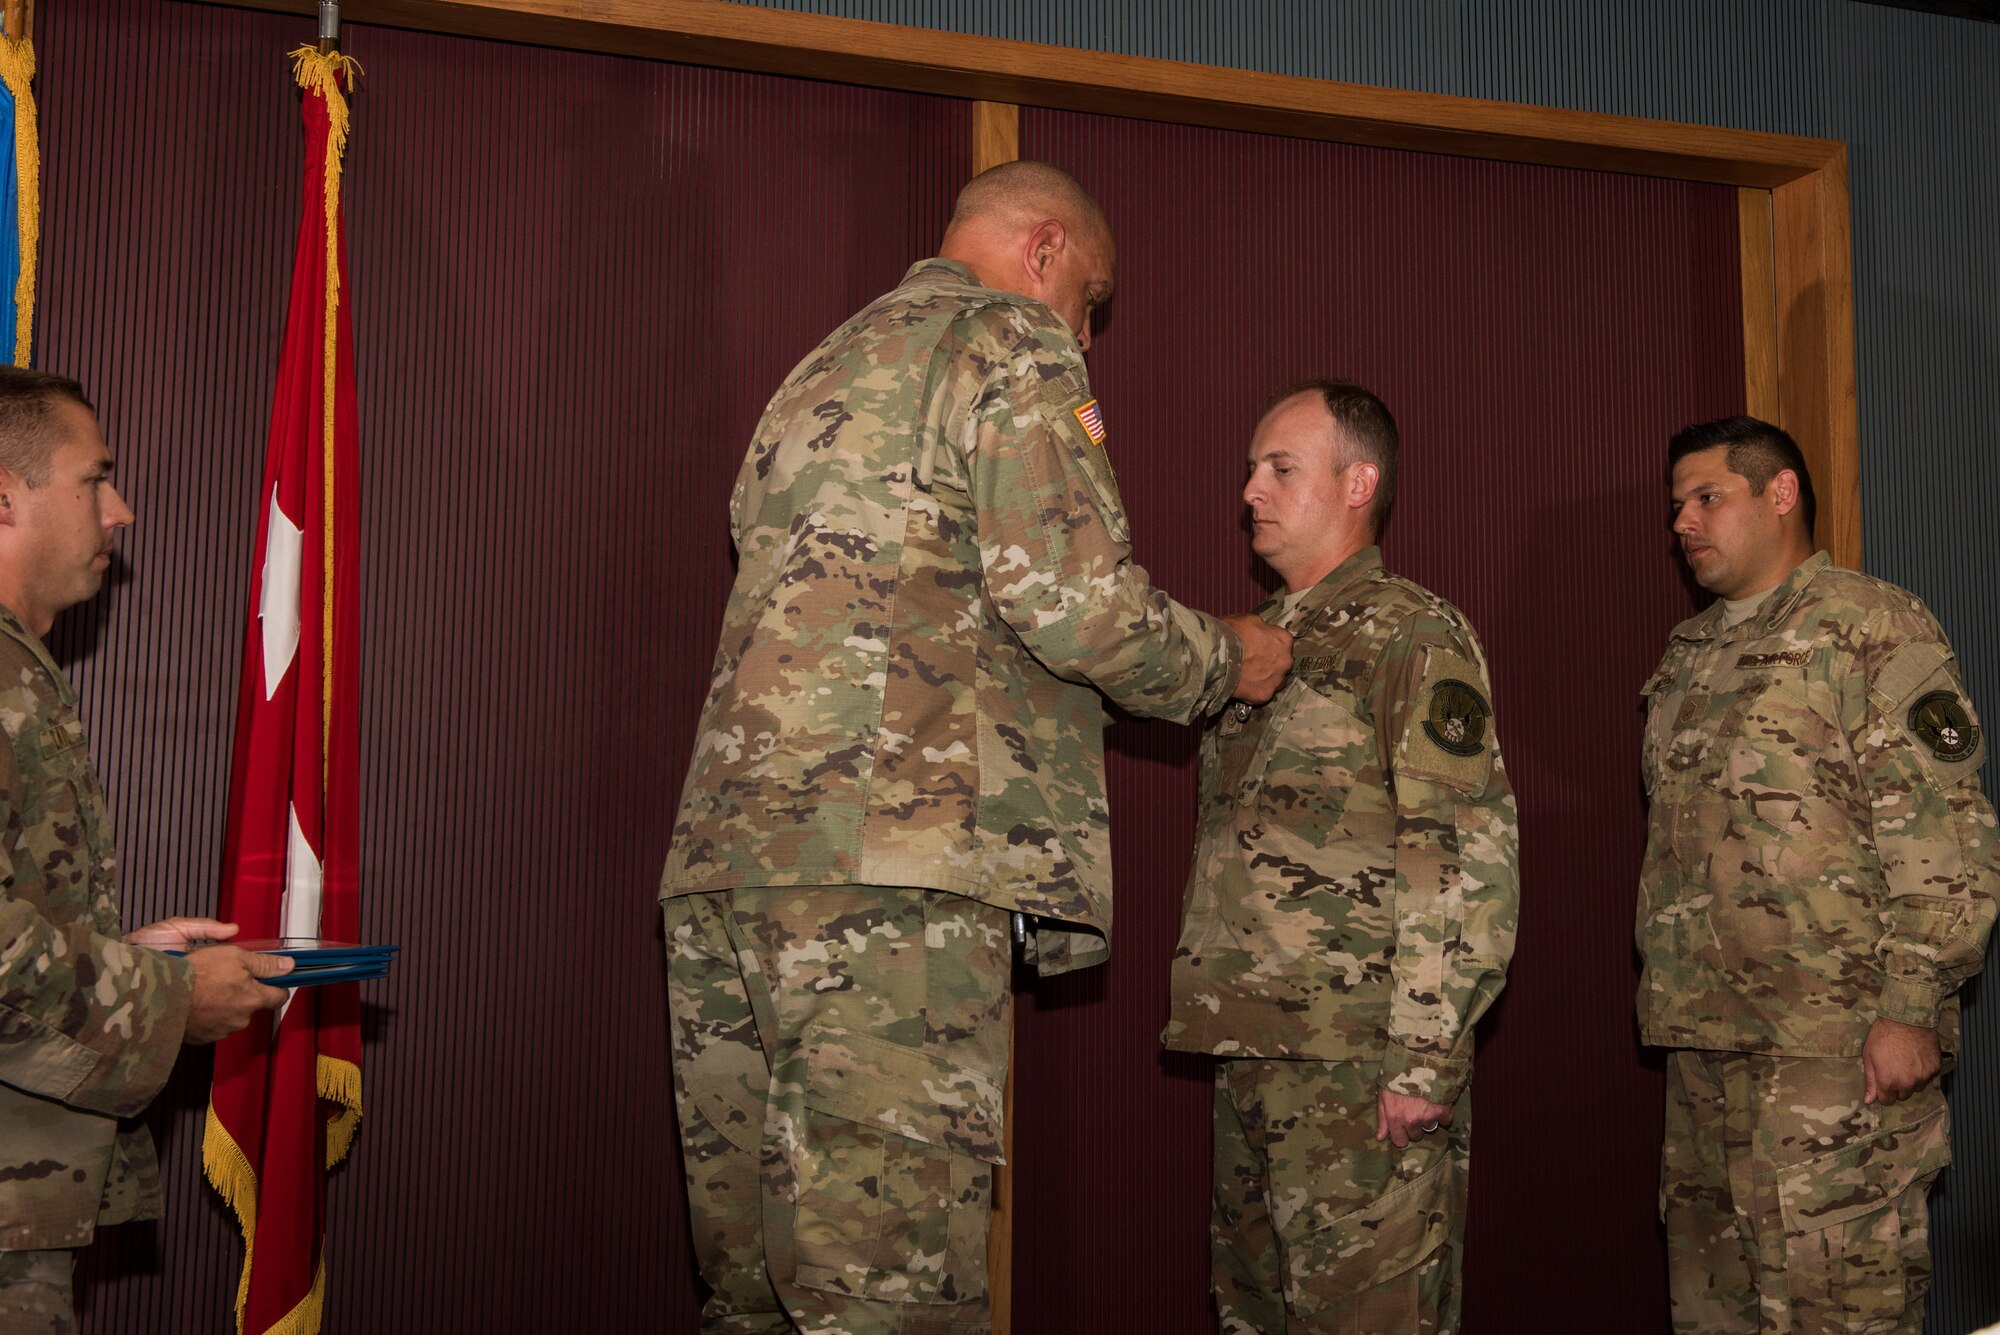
35, 1293
1790, 1205
840, 1054
1317, 1226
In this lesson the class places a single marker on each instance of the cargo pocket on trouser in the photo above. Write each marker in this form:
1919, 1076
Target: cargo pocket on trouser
1857, 1246
1380, 1246
895, 1173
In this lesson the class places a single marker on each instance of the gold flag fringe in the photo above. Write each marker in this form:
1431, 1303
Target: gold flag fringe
17, 68
340, 1082
232, 1176
230, 1173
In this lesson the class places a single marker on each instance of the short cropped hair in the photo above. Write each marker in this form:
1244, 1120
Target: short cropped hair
1367, 433
1015, 190
1758, 452
28, 433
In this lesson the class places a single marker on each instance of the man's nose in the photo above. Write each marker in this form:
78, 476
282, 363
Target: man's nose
117, 514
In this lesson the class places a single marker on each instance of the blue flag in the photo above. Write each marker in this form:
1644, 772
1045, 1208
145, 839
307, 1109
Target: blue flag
10, 221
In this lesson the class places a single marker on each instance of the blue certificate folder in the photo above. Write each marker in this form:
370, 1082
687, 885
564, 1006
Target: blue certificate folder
315, 962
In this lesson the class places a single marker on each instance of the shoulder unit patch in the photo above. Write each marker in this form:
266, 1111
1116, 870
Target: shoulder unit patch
1457, 717
1939, 720
1449, 736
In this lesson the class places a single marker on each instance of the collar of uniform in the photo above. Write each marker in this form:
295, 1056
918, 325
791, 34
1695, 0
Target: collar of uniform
935, 269
11, 627
1349, 575
1708, 624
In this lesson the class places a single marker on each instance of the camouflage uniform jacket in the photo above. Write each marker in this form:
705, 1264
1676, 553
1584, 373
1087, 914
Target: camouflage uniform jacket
89, 1026
1819, 853
1353, 895
935, 582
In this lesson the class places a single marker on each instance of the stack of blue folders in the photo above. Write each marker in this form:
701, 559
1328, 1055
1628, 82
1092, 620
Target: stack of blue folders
315, 961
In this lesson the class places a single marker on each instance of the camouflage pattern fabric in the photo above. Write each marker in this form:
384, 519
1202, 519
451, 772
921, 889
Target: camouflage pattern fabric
935, 583
840, 1059
1353, 893
37, 1293
1317, 1226
89, 1026
1819, 855
1819, 852
1793, 1208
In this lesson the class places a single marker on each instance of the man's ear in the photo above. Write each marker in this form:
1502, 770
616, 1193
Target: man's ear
10, 487
1042, 247
1785, 491
1362, 479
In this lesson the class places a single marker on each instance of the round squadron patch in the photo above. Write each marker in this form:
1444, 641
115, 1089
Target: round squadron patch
1939, 718
1458, 715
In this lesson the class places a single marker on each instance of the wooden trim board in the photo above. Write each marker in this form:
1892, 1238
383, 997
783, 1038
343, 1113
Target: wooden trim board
1808, 351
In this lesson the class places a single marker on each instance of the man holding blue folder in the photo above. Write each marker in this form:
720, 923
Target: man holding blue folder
90, 1027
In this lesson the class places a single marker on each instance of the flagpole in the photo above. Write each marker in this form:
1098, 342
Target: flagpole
329, 24
16, 18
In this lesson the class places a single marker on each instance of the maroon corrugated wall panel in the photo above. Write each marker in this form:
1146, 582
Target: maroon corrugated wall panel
1539, 333
576, 280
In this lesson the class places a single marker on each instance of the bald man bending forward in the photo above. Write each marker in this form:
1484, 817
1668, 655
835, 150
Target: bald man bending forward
902, 746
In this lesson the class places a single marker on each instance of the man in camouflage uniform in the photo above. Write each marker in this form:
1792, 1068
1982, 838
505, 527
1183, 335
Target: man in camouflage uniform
1350, 910
1819, 882
901, 746
90, 1024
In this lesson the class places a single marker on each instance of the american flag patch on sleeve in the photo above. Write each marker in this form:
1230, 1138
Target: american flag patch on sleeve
1093, 422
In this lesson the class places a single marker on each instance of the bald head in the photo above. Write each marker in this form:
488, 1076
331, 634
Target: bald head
1029, 228
1018, 194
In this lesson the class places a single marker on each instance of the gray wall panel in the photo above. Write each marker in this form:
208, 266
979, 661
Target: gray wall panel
1919, 97
1915, 96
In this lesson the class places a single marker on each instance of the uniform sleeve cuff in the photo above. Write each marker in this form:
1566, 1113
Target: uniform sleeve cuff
1425, 1075
1908, 1001
1228, 668
123, 1082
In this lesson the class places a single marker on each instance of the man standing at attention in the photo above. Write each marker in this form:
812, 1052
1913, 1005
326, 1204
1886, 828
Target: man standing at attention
901, 746
89, 1025
1350, 911
1818, 884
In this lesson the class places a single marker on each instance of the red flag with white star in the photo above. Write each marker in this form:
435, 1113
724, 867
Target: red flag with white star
286, 1096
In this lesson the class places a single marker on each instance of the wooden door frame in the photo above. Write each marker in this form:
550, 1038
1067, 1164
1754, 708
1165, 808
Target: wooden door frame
1798, 292
1797, 288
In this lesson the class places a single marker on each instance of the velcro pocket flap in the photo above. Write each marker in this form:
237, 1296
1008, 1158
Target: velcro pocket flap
1373, 1245
875, 1083
1858, 1179
1899, 679
37, 1057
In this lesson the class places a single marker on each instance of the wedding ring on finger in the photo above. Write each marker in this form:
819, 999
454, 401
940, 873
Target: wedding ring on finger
1432, 1127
